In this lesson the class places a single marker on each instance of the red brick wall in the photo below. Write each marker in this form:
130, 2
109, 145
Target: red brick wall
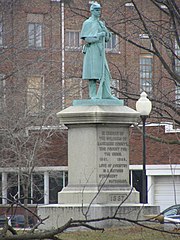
55, 153
157, 152
19, 62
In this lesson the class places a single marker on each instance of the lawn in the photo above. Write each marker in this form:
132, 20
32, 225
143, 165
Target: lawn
122, 233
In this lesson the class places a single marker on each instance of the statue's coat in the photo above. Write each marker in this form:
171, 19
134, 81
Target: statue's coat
93, 59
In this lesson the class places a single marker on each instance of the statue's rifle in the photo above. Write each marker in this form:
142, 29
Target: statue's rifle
102, 80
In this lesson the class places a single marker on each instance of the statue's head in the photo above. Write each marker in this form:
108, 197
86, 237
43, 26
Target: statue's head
94, 6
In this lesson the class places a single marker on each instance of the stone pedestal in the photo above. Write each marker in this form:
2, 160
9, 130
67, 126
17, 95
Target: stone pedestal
98, 166
98, 153
60, 214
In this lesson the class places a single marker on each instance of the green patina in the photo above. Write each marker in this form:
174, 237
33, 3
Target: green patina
101, 102
95, 67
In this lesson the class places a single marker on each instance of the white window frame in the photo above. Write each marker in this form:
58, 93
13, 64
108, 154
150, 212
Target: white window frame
71, 40
145, 37
42, 98
145, 74
110, 46
45, 171
177, 95
176, 60
35, 38
75, 88
129, 4
115, 85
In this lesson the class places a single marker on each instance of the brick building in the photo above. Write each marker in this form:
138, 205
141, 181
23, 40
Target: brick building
40, 70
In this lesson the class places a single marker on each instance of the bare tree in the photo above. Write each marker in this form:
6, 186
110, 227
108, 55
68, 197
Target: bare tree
152, 30
31, 95
10, 233
29, 115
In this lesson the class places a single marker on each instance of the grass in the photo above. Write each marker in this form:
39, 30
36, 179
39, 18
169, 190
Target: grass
122, 233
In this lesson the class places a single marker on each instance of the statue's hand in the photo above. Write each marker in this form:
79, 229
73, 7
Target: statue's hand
102, 34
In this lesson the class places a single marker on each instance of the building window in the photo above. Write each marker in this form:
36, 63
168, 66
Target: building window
146, 68
112, 44
115, 87
177, 61
72, 40
35, 35
12, 187
38, 188
135, 178
177, 95
74, 89
24, 187
57, 180
35, 30
145, 43
35, 95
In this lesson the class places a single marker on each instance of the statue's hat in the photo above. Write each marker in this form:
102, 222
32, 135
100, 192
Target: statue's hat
94, 5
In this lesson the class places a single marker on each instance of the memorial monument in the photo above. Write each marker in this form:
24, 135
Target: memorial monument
98, 140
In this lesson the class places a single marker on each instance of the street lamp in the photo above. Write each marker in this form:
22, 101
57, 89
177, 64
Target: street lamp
144, 106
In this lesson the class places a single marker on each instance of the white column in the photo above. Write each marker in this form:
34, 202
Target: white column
46, 187
150, 188
4, 188
31, 189
131, 172
63, 54
19, 185
64, 178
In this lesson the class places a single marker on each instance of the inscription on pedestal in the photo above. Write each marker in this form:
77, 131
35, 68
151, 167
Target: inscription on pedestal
117, 197
113, 155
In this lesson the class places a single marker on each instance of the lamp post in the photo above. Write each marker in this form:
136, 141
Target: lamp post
144, 106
